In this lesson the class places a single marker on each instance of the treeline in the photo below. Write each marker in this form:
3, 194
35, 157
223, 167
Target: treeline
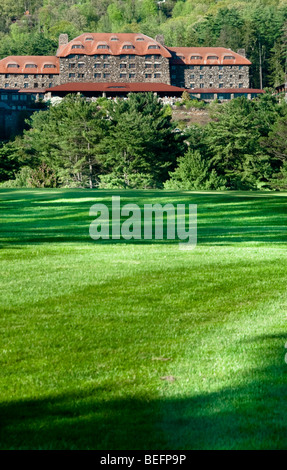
260, 27
134, 143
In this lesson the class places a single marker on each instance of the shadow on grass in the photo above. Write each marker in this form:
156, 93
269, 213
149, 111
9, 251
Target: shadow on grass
250, 416
62, 216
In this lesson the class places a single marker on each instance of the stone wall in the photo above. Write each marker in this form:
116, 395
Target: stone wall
210, 76
108, 68
28, 80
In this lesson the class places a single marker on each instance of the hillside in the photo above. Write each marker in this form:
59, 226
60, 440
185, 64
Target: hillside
32, 27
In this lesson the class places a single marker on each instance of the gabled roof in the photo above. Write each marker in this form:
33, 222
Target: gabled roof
206, 56
30, 64
115, 42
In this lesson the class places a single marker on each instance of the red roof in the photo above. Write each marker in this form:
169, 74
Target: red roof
225, 90
206, 56
30, 64
113, 44
115, 87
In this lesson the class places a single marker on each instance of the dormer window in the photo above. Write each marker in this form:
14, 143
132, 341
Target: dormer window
139, 39
30, 66
10, 66
49, 66
89, 39
114, 38
153, 46
128, 46
103, 46
212, 57
229, 57
77, 46
196, 57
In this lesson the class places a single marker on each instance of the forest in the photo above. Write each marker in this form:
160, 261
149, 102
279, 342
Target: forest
30, 27
136, 143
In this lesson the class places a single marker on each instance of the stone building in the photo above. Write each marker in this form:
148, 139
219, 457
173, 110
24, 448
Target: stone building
127, 58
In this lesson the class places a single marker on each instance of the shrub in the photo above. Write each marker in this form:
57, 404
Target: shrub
193, 173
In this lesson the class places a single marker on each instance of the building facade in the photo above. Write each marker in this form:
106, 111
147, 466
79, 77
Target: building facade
126, 58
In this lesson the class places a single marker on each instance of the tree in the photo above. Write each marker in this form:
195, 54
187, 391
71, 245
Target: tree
141, 140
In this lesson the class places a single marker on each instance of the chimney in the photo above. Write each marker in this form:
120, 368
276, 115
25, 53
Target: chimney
63, 39
160, 38
241, 52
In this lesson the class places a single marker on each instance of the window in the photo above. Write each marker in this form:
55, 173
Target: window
240, 77
15, 97
81, 65
240, 67
147, 66
50, 76
132, 66
220, 85
132, 75
210, 76
157, 75
107, 75
103, 46
50, 85
6, 85
195, 57
201, 77
106, 66
123, 75
192, 76
201, 67
192, 85
240, 85
10, 66
97, 66
89, 39
139, 39
23, 97
153, 46
228, 57
123, 66
191, 67
128, 46
212, 57
49, 66
77, 46
201, 85
148, 75
16, 85
156, 56
210, 85
220, 77
220, 67
231, 85
26, 75
157, 66
72, 75
81, 75
7, 75
30, 66
231, 76
114, 38
72, 66
97, 75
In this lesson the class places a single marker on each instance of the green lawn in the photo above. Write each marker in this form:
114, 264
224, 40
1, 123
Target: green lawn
90, 328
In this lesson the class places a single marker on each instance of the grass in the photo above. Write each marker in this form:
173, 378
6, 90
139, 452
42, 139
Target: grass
90, 330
